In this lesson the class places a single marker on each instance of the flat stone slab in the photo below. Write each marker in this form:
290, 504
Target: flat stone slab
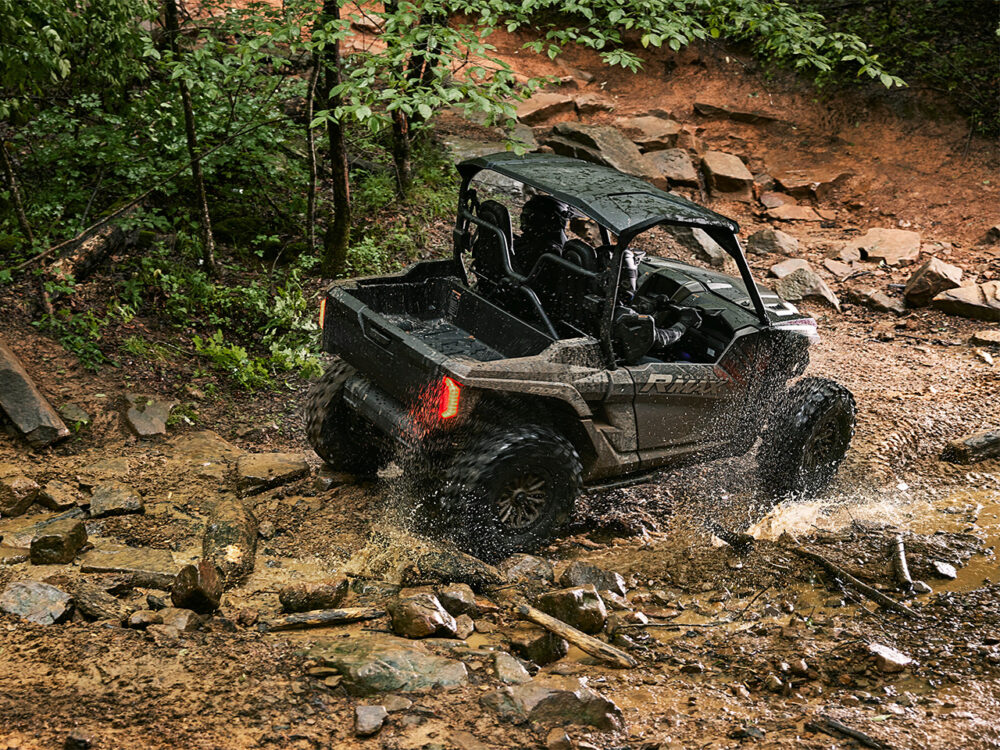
59, 495
58, 543
989, 337
981, 301
13, 555
154, 568
256, 472
651, 133
894, 247
147, 415
789, 212
671, 167
380, 663
972, 448
19, 532
115, 499
543, 106
36, 602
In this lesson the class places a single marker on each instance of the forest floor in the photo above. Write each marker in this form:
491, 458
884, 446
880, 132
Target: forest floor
740, 650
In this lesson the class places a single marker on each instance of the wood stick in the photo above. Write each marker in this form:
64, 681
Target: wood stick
321, 617
834, 728
581, 640
863, 588
899, 566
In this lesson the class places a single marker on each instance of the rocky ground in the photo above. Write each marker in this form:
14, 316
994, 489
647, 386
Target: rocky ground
323, 621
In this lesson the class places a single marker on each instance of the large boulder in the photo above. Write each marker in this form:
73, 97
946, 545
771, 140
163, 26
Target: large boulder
420, 616
555, 700
600, 144
458, 599
650, 133
58, 543
579, 606
544, 106
932, 278
894, 247
379, 663
976, 447
17, 493
727, 176
25, 405
805, 283
671, 168
36, 602
981, 302
770, 240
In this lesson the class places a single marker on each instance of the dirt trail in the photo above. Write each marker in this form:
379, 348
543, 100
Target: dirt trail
739, 649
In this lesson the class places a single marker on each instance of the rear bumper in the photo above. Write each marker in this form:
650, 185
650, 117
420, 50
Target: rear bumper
389, 416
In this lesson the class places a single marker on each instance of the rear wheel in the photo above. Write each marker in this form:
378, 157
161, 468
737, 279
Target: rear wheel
340, 437
805, 443
510, 490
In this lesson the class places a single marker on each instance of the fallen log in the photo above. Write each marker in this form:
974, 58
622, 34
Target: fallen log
862, 588
230, 539
899, 566
587, 643
27, 408
88, 252
322, 617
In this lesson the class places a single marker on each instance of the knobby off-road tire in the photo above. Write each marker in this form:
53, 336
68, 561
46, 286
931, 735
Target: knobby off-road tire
805, 442
510, 490
340, 437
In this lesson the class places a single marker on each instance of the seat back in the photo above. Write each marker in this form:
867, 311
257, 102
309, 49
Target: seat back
487, 248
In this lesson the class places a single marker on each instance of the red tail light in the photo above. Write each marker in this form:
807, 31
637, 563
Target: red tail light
451, 392
322, 312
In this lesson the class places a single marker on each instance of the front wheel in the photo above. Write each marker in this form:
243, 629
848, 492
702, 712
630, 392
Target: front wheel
805, 442
510, 490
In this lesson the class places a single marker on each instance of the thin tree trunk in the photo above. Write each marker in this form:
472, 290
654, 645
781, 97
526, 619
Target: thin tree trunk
338, 233
15, 192
311, 154
208, 242
402, 153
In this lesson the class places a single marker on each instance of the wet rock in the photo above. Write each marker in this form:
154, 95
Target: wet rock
458, 599
183, 619
772, 241
305, 597
985, 338
144, 618
230, 539
26, 407
773, 684
544, 106
932, 278
464, 627
20, 533
197, 587
579, 606
556, 700
791, 212
115, 499
13, 555
783, 269
509, 670
436, 562
805, 283
527, 569
79, 740
557, 739
671, 168
981, 302
887, 659
36, 602
73, 414
59, 496
17, 493
877, 300
380, 663
618, 620
420, 616
154, 568
256, 472
537, 645
95, 603
700, 243
944, 570
59, 542
978, 446
581, 573
203, 454
600, 144
651, 133
894, 247
368, 720
727, 176
920, 587
147, 415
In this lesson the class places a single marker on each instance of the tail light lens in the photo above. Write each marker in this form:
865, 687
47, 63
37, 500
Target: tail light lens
322, 312
451, 393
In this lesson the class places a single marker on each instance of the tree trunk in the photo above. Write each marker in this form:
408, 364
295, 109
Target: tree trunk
338, 233
311, 154
401, 153
15, 192
208, 242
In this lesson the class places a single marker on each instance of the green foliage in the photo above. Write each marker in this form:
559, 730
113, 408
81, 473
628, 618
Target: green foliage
233, 360
79, 334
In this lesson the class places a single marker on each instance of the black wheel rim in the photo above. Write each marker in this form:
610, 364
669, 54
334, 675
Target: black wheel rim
521, 501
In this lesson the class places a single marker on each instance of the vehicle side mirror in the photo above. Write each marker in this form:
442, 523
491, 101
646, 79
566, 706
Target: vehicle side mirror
634, 336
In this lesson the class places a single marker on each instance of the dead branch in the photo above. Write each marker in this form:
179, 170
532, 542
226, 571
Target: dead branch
899, 566
322, 617
584, 642
863, 588
834, 728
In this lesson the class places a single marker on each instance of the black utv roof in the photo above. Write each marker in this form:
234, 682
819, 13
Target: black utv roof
620, 202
